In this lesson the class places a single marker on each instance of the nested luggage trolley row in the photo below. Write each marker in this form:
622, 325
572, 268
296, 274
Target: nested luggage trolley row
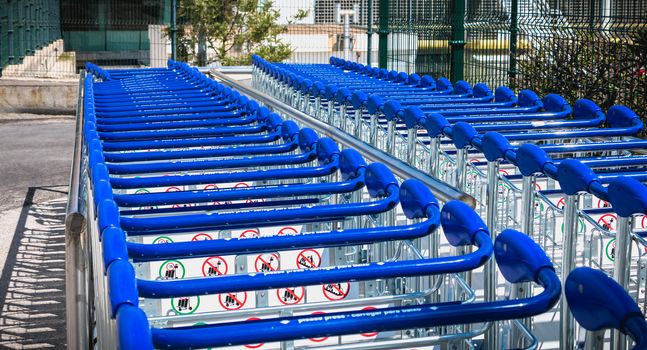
214, 222
537, 165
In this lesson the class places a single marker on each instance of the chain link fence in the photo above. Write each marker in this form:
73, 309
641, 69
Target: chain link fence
593, 49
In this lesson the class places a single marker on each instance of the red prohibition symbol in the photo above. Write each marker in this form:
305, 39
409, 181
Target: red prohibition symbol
201, 237
232, 301
336, 291
608, 221
369, 334
560, 203
289, 230
308, 259
266, 262
177, 189
290, 296
244, 185
249, 234
214, 266
254, 346
318, 340
212, 187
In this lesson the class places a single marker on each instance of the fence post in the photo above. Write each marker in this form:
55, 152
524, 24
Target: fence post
174, 30
383, 32
369, 32
514, 30
457, 42
10, 32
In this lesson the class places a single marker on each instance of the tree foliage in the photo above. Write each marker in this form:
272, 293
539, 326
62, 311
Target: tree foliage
232, 30
606, 69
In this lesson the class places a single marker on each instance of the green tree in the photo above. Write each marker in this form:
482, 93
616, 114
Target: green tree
232, 29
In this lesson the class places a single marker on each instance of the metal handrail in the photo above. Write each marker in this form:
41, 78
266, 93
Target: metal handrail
441, 190
76, 297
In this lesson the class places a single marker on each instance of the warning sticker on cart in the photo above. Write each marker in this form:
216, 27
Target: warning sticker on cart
336, 291
308, 258
608, 222
267, 262
254, 346
215, 266
185, 305
162, 240
172, 269
232, 301
288, 231
251, 233
201, 237
291, 295
610, 250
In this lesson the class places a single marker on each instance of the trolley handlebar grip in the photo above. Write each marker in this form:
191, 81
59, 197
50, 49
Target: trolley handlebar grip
392, 110
496, 147
374, 104
575, 177
461, 224
531, 160
463, 134
436, 125
627, 196
598, 303
413, 116
519, 258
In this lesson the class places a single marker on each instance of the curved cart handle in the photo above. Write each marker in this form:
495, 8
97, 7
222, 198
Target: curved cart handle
519, 258
417, 203
599, 303
462, 226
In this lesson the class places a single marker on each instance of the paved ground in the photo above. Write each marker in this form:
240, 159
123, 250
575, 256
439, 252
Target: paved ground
35, 157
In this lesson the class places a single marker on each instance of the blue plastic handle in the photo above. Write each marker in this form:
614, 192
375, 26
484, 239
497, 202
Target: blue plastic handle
339, 323
598, 303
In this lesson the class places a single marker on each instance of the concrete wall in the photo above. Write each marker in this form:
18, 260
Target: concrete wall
40, 96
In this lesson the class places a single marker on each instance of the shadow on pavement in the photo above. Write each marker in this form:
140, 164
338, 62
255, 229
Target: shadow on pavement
32, 285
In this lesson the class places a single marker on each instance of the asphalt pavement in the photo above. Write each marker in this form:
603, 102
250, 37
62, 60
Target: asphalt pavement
35, 159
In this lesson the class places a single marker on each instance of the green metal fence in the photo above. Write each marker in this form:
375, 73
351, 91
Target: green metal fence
115, 32
26, 26
595, 49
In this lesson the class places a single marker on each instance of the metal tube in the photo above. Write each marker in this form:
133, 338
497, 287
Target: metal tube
346, 36
75, 269
440, 189
411, 146
434, 152
594, 340
524, 290
390, 138
461, 169
566, 330
621, 266
358, 123
173, 29
369, 32
490, 271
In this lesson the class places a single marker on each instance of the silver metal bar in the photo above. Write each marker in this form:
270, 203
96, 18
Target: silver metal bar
567, 336
490, 271
76, 298
441, 190
621, 269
